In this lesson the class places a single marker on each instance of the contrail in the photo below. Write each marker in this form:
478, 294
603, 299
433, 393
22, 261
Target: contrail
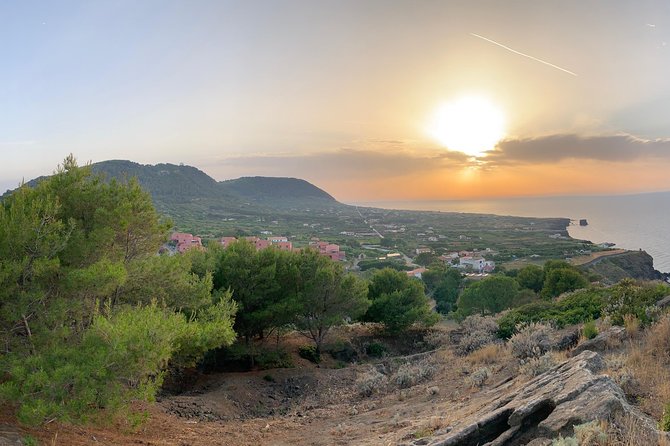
524, 55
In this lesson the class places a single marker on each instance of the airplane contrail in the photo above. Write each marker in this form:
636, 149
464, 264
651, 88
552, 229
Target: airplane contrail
523, 54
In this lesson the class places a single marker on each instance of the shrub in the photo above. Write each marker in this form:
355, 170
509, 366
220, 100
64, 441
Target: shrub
121, 358
531, 340
479, 323
375, 350
435, 339
632, 298
309, 353
537, 366
578, 307
591, 434
371, 382
480, 331
471, 342
478, 378
664, 424
589, 330
409, 374
564, 441
274, 359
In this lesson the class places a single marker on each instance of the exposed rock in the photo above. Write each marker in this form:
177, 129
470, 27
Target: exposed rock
564, 339
10, 436
603, 341
630, 264
663, 302
570, 393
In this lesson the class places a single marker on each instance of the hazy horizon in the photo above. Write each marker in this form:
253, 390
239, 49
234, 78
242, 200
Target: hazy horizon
370, 100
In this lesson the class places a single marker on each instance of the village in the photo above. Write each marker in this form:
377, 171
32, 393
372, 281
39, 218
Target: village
473, 263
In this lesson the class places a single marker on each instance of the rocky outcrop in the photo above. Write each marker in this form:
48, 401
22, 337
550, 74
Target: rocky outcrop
628, 265
571, 393
607, 339
10, 436
663, 303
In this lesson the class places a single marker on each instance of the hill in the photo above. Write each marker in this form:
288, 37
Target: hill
197, 203
272, 190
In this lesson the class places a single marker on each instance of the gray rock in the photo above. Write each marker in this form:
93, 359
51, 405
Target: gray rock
564, 339
10, 436
603, 341
663, 302
570, 393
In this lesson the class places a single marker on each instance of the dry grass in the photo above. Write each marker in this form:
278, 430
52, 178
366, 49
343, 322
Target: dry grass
490, 354
649, 363
632, 325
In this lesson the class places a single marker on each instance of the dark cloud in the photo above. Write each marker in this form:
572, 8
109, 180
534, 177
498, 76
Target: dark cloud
352, 163
554, 148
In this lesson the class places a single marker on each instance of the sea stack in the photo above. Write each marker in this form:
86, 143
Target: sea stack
583, 222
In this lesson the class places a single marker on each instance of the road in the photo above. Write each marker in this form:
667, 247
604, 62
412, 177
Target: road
366, 222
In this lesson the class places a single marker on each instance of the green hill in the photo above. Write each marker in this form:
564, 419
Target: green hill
270, 190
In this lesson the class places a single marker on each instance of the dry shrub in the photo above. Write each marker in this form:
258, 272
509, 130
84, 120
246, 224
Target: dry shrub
531, 340
593, 433
479, 331
409, 375
479, 323
626, 430
658, 338
478, 378
371, 382
649, 363
536, 366
632, 325
490, 354
435, 339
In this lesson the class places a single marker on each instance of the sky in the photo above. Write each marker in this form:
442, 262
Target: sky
344, 93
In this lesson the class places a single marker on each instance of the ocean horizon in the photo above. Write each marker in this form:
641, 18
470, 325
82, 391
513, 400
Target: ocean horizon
640, 221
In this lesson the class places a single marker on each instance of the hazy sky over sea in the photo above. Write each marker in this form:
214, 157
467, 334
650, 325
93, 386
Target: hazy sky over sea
345, 93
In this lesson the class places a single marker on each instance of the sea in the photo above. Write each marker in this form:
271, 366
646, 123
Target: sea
633, 222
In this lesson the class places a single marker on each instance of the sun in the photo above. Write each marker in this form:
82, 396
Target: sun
471, 124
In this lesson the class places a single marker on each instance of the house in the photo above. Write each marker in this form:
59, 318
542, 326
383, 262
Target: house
328, 249
185, 241
416, 272
423, 250
477, 264
227, 241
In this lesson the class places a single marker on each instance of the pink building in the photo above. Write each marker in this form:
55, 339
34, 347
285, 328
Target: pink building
186, 241
328, 249
226, 241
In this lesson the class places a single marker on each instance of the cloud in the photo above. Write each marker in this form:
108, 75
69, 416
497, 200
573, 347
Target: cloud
555, 148
352, 163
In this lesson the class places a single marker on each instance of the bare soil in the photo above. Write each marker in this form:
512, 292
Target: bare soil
305, 405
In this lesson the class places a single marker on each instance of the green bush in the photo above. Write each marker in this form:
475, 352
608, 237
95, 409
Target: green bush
274, 359
589, 330
580, 306
309, 353
121, 358
631, 297
664, 424
375, 350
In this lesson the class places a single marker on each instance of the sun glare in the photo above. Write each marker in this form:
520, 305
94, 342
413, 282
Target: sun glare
471, 125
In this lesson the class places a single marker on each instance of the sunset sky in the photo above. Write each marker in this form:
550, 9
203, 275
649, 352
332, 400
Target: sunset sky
346, 94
